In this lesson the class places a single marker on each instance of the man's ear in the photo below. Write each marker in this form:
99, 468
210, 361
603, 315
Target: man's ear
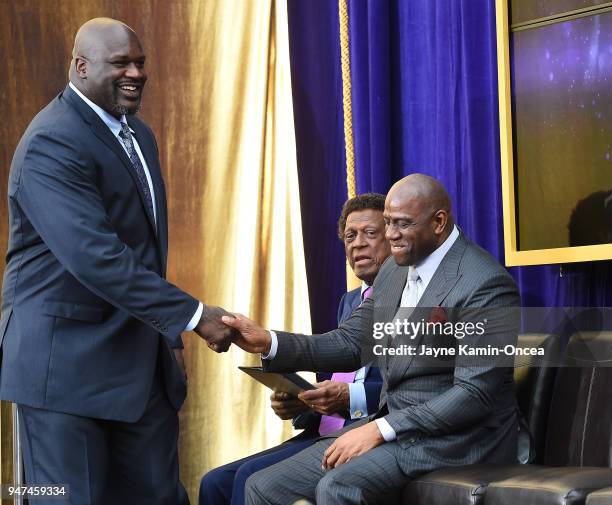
440, 218
80, 65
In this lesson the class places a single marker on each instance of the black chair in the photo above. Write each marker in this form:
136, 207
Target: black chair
578, 455
601, 497
534, 377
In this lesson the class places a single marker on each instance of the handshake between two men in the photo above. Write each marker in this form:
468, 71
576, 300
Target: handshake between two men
220, 329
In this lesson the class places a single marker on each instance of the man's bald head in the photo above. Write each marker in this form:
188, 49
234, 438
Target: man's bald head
418, 217
93, 36
108, 65
424, 188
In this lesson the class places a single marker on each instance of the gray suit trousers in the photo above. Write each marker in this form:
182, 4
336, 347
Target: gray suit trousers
378, 476
373, 478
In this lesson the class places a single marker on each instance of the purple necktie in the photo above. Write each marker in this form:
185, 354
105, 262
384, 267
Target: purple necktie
329, 424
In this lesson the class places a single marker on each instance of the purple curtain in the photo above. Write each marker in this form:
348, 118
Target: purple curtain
316, 81
424, 95
424, 79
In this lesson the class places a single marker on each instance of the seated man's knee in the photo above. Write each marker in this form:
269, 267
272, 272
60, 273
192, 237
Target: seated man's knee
215, 483
259, 485
330, 488
249, 468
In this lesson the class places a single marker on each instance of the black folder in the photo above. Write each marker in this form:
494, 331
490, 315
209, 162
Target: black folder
290, 383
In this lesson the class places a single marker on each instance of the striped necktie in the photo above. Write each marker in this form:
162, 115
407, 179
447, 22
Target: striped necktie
126, 138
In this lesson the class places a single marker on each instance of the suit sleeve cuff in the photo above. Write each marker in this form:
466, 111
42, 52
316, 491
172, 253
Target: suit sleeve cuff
358, 403
386, 431
176, 342
273, 347
196, 318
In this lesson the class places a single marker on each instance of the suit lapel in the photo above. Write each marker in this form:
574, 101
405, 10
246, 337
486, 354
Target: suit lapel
102, 131
355, 301
444, 279
385, 306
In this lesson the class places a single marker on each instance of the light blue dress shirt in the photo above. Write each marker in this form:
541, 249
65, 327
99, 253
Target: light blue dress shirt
358, 407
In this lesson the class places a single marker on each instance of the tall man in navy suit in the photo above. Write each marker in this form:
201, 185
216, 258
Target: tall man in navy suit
341, 399
88, 319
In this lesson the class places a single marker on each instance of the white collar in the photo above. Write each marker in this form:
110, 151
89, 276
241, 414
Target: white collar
364, 286
111, 121
427, 268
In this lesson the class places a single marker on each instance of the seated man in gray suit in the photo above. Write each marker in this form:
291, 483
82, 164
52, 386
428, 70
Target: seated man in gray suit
430, 416
354, 395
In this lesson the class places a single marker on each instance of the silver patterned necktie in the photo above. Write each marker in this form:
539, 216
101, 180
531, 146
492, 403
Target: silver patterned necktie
410, 297
126, 138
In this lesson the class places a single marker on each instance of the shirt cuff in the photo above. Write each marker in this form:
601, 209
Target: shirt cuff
386, 431
358, 403
195, 319
273, 347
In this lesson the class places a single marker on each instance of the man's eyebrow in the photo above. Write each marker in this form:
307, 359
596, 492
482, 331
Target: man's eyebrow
126, 57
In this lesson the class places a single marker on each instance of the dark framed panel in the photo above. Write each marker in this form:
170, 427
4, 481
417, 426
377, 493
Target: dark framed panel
555, 89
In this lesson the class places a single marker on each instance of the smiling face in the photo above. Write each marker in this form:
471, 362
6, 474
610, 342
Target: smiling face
110, 69
364, 243
411, 230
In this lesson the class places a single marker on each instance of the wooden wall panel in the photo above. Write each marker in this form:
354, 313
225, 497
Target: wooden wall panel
36, 38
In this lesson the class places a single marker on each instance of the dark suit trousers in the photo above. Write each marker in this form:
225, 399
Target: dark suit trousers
106, 462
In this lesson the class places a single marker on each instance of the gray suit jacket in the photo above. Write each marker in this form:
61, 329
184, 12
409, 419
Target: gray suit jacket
457, 414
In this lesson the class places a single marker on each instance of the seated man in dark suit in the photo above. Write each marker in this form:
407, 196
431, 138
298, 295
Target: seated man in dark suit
341, 398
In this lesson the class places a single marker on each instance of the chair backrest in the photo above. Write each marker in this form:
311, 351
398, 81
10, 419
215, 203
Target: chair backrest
580, 420
534, 379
